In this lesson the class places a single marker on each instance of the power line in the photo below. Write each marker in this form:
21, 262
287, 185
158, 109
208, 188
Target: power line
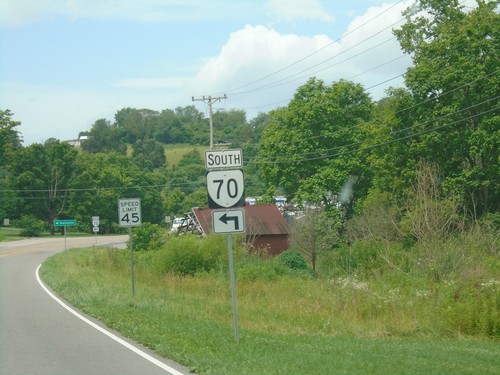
295, 160
289, 78
437, 97
313, 53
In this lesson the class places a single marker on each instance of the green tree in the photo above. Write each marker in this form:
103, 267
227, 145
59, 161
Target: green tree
10, 139
102, 179
306, 147
231, 127
105, 137
195, 129
137, 123
148, 154
41, 174
168, 128
10, 144
189, 174
454, 83
314, 233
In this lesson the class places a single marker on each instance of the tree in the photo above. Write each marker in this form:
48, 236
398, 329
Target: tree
137, 123
306, 147
148, 154
104, 178
230, 126
195, 129
10, 140
10, 144
105, 137
168, 126
41, 175
454, 83
314, 233
189, 174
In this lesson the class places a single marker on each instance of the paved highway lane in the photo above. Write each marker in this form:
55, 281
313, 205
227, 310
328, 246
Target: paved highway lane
39, 336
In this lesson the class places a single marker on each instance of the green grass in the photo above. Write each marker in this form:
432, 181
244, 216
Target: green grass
287, 324
175, 152
10, 234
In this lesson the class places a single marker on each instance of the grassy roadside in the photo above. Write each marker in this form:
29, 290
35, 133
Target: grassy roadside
10, 234
14, 234
287, 325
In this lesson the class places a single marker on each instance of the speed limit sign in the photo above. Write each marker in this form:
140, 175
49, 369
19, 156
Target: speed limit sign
129, 212
225, 189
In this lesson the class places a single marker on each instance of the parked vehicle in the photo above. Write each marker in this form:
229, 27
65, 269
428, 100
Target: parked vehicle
176, 224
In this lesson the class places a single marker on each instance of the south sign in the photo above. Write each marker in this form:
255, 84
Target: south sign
223, 159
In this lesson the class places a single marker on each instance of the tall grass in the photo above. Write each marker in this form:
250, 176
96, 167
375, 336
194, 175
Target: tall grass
357, 314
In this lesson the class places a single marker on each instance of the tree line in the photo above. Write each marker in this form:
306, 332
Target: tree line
331, 146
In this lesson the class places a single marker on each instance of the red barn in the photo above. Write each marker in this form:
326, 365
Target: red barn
266, 228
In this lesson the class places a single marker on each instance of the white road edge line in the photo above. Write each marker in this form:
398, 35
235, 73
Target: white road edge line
129, 346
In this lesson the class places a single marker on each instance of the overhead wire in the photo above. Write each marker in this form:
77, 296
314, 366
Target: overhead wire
289, 79
424, 131
316, 65
437, 97
313, 53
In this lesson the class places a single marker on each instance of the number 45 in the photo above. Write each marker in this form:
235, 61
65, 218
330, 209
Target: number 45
133, 218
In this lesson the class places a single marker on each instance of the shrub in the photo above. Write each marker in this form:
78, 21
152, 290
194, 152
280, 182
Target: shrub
293, 260
260, 269
148, 237
30, 226
188, 255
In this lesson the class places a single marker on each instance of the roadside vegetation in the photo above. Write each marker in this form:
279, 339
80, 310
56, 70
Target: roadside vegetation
357, 313
10, 234
394, 258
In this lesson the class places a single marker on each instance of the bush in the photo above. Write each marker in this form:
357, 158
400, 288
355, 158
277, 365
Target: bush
260, 269
148, 237
188, 255
30, 226
293, 260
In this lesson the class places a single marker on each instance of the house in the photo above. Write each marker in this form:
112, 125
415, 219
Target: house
266, 228
76, 143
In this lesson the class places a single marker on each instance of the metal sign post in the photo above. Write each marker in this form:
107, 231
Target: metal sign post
233, 286
129, 215
64, 224
131, 260
95, 227
226, 191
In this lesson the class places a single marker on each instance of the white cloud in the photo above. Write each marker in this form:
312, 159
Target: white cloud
370, 40
264, 66
254, 52
258, 68
299, 10
21, 12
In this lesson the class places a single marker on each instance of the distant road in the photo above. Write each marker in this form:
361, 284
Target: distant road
39, 336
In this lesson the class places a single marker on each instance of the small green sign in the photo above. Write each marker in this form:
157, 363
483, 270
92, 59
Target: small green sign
65, 223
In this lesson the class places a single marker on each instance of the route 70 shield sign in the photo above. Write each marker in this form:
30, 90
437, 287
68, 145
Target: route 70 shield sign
225, 189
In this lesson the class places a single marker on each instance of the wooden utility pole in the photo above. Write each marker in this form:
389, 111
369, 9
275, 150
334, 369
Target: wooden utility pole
209, 101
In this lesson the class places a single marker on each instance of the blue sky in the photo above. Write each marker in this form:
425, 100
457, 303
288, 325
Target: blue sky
66, 63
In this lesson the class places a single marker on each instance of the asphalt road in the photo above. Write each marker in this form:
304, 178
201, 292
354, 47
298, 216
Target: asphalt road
39, 335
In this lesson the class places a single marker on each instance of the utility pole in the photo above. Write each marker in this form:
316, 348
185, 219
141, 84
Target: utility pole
209, 101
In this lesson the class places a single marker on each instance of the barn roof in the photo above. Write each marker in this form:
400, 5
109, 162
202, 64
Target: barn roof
260, 219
